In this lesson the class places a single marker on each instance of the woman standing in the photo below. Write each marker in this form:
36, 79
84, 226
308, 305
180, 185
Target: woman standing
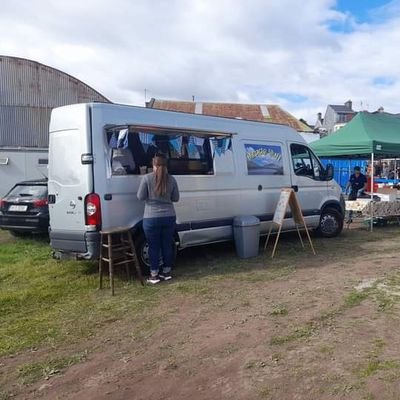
159, 190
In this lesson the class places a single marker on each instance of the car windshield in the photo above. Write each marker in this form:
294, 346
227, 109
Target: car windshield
29, 191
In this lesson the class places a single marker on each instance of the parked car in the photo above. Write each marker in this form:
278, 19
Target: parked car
25, 209
224, 168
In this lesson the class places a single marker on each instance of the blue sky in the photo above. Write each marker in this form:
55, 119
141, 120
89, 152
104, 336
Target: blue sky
361, 10
319, 52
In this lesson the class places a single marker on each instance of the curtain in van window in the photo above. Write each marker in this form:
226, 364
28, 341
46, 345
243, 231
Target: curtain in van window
113, 141
176, 147
123, 138
145, 138
198, 141
221, 146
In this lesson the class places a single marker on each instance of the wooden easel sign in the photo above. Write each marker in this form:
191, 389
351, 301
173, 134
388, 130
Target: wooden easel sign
288, 199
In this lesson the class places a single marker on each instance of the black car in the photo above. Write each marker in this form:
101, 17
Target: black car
25, 209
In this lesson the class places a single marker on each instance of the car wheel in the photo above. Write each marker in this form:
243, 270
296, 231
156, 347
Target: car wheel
331, 223
142, 251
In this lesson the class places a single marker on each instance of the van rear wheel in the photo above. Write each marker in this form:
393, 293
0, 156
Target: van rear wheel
142, 251
331, 223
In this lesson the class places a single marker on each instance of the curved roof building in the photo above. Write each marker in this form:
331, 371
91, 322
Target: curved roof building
28, 92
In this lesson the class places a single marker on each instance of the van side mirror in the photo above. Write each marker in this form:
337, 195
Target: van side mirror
329, 171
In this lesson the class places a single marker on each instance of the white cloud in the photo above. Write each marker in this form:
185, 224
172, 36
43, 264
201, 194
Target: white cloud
237, 50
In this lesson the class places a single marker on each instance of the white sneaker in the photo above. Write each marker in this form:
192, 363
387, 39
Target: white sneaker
165, 276
153, 279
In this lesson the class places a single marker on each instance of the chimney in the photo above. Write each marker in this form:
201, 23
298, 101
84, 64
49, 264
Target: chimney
319, 116
349, 105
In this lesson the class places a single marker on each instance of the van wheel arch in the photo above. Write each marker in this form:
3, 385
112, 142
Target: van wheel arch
331, 221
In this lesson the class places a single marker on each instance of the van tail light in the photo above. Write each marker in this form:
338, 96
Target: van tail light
40, 203
2, 204
93, 210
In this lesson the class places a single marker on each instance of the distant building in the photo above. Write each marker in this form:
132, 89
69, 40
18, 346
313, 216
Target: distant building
336, 116
381, 110
318, 127
252, 112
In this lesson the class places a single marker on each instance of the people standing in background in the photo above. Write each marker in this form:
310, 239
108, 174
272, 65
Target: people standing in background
385, 170
159, 190
356, 184
377, 170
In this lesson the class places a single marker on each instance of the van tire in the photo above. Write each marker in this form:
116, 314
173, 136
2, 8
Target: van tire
331, 223
142, 251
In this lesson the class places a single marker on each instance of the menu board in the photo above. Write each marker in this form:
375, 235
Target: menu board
288, 198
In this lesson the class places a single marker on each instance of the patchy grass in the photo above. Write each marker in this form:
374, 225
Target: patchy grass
32, 372
229, 349
374, 366
45, 302
279, 309
354, 298
302, 332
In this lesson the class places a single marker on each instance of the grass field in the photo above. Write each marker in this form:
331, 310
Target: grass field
46, 302
52, 316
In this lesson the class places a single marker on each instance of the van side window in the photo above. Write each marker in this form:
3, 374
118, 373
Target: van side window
305, 163
124, 152
189, 155
132, 152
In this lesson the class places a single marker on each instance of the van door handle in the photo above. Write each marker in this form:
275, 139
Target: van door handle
259, 188
51, 198
108, 196
295, 188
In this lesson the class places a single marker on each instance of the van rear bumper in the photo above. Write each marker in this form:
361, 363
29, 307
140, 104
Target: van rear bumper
85, 245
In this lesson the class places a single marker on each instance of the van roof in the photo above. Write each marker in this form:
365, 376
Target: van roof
120, 115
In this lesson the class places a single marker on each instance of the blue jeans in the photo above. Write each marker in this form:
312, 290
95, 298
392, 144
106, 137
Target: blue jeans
160, 235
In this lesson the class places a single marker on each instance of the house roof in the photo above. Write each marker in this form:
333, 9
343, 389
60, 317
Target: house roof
252, 112
340, 108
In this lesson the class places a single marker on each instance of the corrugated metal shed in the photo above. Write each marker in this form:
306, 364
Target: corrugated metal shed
28, 92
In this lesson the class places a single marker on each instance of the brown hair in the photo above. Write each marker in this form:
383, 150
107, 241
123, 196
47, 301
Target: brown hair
161, 172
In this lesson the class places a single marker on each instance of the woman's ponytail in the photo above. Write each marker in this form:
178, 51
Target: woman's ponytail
161, 173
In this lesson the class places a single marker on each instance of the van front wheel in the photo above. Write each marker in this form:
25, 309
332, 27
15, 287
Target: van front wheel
142, 251
331, 223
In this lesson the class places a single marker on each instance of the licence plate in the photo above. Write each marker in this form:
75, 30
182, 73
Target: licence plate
17, 208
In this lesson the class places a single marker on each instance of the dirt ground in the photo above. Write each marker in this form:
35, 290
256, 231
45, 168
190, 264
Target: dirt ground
327, 327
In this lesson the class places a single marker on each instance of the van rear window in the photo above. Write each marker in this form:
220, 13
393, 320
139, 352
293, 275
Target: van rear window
132, 152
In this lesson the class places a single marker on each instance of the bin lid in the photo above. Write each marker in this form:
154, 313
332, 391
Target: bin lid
246, 220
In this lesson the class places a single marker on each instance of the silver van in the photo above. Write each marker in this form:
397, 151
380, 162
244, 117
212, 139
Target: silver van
224, 168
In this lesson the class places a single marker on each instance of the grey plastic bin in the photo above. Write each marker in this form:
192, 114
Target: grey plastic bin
246, 231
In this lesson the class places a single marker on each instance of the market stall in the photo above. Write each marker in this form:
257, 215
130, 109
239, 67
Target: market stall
368, 135
367, 209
